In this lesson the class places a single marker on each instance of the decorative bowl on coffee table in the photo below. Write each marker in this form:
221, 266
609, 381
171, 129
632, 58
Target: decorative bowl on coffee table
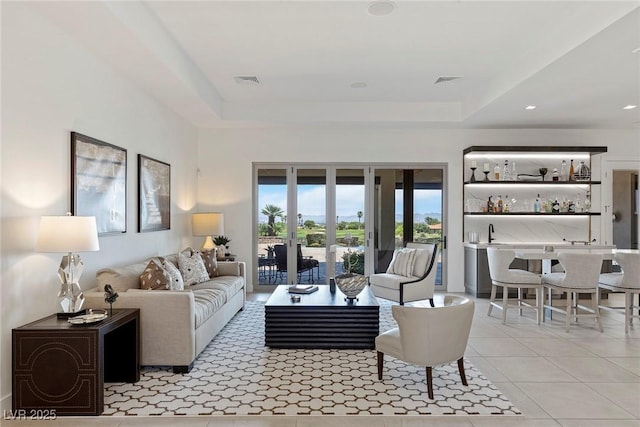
351, 285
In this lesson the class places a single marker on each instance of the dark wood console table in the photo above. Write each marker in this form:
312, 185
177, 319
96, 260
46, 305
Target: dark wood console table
321, 320
62, 368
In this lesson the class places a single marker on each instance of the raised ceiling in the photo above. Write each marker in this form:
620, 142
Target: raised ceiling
574, 60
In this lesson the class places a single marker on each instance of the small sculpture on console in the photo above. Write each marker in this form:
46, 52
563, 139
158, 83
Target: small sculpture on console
110, 296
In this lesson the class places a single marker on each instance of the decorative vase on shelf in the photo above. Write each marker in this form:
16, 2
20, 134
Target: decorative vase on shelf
351, 285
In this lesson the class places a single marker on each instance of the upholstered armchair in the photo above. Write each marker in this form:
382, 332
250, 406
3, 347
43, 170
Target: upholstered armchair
429, 336
414, 285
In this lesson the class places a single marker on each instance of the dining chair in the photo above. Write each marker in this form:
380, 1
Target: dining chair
414, 285
511, 278
429, 336
582, 272
628, 282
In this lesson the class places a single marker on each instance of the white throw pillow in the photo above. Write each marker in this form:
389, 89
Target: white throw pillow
421, 263
402, 262
192, 268
176, 284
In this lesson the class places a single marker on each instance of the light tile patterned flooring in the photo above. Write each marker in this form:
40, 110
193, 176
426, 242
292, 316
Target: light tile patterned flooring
583, 378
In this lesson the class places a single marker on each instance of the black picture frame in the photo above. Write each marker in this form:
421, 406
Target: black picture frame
154, 194
99, 183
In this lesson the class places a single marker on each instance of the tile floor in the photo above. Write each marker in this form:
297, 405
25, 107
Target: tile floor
583, 378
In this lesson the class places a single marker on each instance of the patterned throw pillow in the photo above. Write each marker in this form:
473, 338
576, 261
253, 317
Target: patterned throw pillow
192, 268
154, 277
176, 283
210, 262
402, 262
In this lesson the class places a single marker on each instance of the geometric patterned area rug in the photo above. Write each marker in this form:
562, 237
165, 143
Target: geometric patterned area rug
237, 375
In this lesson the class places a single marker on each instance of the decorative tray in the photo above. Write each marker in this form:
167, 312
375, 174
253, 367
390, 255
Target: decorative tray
90, 317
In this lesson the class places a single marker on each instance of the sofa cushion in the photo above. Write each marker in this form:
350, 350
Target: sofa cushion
230, 285
192, 268
207, 302
154, 277
210, 262
121, 278
176, 284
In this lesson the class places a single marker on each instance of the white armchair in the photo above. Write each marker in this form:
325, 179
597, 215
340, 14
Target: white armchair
628, 282
429, 336
419, 284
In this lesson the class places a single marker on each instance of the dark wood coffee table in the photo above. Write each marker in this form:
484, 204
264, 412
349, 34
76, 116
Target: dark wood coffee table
321, 320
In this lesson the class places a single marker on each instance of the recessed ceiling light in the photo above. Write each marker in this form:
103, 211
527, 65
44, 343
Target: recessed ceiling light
530, 107
358, 85
381, 7
629, 107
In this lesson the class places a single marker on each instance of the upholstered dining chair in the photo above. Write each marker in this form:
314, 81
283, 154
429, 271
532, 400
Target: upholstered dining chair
511, 278
429, 336
582, 272
418, 284
628, 282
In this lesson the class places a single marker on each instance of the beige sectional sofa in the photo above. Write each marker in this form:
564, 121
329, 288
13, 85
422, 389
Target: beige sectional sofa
175, 325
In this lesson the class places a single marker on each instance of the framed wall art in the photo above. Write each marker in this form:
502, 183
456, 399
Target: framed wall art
99, 182
154, 194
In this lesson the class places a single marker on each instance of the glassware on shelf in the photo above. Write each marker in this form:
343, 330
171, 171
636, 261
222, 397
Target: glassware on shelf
554, 174
506, 173
583, 173
496, 172
587, 203
514, 172
536, 205
563, 171
572, 171
543, 172
486, 168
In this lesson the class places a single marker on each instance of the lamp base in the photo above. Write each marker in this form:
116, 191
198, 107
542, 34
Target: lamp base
65, 315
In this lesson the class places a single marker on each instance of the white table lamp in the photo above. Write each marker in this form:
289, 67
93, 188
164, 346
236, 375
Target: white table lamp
206, 225
68, 234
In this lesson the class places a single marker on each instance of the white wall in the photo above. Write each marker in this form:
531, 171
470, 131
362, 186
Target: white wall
50, 87
226, 157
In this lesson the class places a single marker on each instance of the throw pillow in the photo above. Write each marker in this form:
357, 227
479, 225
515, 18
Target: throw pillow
402, 262
176, 284
192, 268
154, 277
210, 262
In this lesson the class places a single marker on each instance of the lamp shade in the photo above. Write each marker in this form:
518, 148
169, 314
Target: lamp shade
208, 224
67, 234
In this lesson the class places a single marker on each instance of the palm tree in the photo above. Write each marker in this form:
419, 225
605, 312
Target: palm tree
271, 212
359, 216
300, 219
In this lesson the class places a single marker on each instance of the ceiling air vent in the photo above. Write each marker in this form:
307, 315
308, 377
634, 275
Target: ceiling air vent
247, 80
445, 79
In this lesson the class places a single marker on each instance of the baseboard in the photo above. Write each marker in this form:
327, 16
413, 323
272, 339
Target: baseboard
5, 404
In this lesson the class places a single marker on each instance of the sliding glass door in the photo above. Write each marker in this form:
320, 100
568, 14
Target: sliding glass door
316, 221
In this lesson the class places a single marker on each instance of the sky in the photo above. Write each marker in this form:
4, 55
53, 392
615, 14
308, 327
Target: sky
349, 200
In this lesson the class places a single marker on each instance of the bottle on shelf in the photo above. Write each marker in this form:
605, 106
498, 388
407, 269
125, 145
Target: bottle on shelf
572, 174
506, 173
578, 203
507, 206
496, 172
500, 207
587, 202
563, 171
490, 205
572, 206
514, 172
555, 174
555, 207
536, 205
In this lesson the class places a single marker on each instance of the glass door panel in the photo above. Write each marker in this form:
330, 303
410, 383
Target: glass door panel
311, 225
272, 225
350, 221
407, 208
